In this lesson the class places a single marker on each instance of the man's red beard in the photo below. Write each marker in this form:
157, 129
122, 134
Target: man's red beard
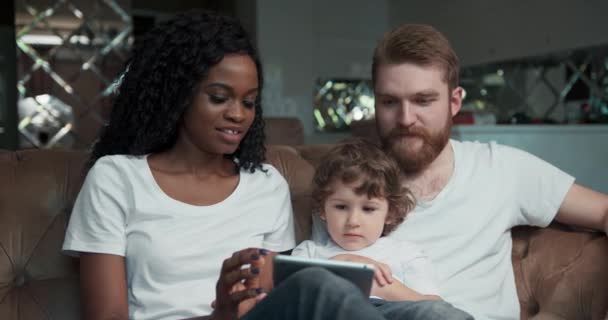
399, 144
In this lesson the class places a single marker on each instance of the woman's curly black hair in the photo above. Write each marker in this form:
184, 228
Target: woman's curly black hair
161, 77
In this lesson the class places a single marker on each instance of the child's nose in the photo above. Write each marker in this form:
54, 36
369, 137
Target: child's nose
353, 220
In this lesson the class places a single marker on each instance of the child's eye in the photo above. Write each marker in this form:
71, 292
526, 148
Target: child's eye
369, 209
340, 206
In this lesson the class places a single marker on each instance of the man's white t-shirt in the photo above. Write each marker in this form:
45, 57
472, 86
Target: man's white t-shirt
174, 251
465, 229
408, 264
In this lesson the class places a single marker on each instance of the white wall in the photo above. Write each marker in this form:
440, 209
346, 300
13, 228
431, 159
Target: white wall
491, 30
301, 41
285, 41
580, 150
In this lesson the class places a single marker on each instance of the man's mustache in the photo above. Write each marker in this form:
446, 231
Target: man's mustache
410, 132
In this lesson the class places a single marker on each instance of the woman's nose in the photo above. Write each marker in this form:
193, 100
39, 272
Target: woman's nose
235, 112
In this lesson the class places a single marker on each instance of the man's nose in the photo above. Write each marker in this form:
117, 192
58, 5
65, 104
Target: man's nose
407, 115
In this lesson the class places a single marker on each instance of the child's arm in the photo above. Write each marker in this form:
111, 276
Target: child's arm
397, 291
382, 272
419, 281
385, 286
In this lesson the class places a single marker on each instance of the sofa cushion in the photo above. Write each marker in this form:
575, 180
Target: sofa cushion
562, 273
36, 194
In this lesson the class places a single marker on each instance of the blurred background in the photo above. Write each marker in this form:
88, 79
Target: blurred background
535, 72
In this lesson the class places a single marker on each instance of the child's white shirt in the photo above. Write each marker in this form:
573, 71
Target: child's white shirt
408, 263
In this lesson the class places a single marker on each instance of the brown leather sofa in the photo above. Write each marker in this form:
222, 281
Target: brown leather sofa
560, 273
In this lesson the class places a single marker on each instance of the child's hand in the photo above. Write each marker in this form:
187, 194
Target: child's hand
381, 291
397, 291
382, 272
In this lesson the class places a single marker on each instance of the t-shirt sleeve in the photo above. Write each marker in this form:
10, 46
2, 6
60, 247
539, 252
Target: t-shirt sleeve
539, 187
97, 221
305, 249
283, 236
418, 275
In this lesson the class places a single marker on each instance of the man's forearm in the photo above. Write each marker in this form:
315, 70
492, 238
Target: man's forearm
606, 222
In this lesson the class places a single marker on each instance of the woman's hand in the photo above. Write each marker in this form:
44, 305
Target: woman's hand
382, 272
238, 289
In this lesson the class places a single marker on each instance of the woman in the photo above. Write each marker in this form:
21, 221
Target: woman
177, 183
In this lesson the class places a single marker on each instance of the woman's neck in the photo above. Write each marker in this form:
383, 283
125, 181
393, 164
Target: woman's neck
186, 157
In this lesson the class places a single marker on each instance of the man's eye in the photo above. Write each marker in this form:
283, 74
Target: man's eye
424, 102
388, 102
217, 99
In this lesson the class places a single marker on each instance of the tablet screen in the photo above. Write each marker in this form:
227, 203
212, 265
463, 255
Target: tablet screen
360, 274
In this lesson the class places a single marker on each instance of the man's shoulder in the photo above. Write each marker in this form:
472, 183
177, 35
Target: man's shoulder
484, 146
490, 151
474, 145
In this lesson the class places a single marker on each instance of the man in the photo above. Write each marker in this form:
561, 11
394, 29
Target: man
469, 194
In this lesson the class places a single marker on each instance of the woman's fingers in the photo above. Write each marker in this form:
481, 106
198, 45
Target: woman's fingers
260, 296
233, 271
235, 276
236, 287
256, 269
240, 258
241, 295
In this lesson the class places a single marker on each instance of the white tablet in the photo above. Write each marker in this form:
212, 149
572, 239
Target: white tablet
360, 274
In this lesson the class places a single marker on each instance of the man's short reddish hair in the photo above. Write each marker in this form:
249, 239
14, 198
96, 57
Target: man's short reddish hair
418, 44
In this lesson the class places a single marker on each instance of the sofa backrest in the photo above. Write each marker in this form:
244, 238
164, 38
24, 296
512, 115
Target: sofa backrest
560, 273
283, 131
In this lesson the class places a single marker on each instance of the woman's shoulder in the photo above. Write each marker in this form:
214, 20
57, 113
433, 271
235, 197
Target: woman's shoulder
114, 161
268, 176
115, 167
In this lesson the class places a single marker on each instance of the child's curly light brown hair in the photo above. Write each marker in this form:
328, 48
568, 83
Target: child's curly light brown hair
360, 160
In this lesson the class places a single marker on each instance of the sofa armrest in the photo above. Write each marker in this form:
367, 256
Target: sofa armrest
561, 273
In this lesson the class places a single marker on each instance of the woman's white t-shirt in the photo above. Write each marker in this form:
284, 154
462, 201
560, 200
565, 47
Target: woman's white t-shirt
174, 251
